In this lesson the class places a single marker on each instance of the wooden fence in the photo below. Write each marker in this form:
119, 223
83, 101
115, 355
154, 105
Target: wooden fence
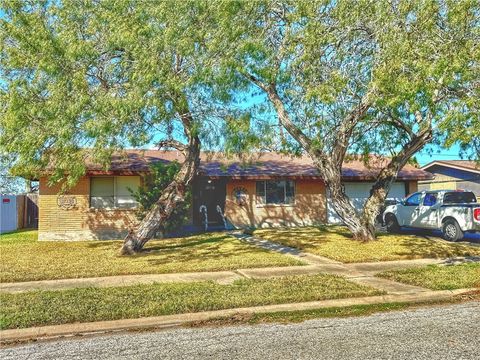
27, 211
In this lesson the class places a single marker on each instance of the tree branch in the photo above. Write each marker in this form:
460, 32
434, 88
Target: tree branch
171, 143
344, 132
401, 125
282, 113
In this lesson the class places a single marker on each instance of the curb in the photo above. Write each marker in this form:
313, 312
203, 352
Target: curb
169, 321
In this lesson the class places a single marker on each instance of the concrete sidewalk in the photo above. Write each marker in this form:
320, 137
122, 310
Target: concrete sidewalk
220, 277
167, 321
354, 272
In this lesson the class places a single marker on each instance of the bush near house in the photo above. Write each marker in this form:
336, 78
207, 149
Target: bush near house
161, 174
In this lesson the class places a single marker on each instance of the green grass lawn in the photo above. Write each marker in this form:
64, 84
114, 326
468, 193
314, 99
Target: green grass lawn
336, 242
95, 304
438, 277
23, 258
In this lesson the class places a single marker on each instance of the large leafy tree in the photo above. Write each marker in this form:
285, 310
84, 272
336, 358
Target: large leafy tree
10, 184
465, 132
375, 78
85, 78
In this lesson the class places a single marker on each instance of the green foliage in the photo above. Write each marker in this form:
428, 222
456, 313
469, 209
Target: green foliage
415, 63
86, 78
83, 79
9, 184
465, 132
160, 176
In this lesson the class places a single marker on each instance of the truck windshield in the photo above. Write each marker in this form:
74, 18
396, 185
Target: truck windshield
459, 198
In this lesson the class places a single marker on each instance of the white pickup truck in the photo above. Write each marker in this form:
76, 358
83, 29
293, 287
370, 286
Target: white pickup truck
453, 212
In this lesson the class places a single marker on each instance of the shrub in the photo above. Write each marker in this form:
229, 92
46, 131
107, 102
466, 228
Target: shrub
154, 184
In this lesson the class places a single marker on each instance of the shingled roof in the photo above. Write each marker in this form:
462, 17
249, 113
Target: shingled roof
256, 166
465, 165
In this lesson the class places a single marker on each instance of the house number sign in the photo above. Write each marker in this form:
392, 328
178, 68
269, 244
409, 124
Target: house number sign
66, 202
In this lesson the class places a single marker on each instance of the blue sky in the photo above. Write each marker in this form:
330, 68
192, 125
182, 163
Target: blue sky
439, 153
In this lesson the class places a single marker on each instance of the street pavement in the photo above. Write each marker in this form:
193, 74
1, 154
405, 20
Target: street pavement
444, 332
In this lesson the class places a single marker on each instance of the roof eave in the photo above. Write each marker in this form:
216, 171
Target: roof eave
441, 163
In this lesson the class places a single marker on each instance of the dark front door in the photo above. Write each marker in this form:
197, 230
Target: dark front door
211, 194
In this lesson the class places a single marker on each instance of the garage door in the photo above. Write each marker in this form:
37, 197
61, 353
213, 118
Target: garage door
358, 193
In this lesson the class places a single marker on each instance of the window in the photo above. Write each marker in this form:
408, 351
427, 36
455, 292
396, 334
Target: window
430, 199
102, 193
112, 192
413, 200
459, 197
276, 192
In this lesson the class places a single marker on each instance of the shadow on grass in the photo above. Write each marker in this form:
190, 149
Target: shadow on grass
209, 253
155, 245
202, 248
403, 245
186, 244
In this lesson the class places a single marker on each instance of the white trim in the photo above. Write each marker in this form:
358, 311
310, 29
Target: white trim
440, 163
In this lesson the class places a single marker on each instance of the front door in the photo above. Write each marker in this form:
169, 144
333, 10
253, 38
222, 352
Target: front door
209, 195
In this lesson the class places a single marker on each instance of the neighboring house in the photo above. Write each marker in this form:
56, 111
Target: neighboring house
270, 190
453, 175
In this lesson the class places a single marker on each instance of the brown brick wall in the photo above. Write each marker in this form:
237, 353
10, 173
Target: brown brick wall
80, 222
309, 207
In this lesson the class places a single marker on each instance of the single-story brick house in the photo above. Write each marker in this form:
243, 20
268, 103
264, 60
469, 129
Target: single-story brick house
270, 190
452, 175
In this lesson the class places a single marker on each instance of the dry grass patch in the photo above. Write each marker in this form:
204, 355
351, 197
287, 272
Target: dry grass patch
23, 258
336, 242
94, 304
438, 277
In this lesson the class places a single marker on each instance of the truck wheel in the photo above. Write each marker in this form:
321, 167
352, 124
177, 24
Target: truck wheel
392, 224
452, 231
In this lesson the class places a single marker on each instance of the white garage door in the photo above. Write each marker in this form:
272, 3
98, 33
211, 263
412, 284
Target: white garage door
358, 193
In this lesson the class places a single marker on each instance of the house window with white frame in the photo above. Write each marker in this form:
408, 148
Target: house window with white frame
275, 192
112, 192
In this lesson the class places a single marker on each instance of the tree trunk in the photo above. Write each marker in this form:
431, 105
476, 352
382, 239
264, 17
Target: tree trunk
376, 200
342, 205
388, 175
173, 196
329, 166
